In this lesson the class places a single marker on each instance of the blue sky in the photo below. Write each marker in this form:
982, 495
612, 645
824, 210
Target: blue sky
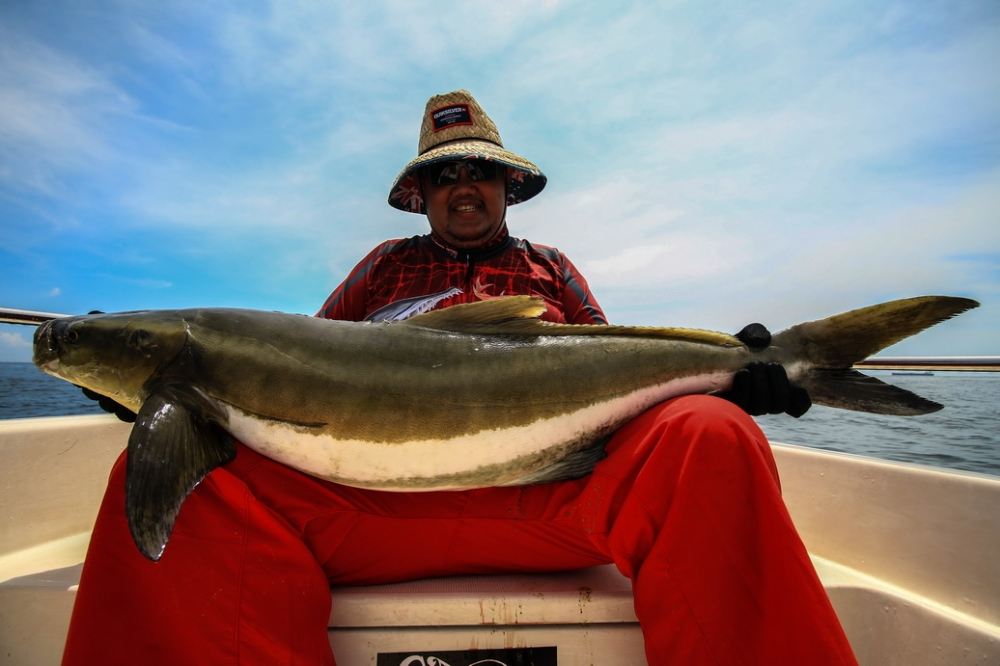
709, 164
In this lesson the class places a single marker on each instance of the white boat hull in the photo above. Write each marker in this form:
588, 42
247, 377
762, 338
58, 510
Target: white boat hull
906, 554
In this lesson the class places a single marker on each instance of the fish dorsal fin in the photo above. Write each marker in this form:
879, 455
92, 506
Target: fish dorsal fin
481, 316
520, 316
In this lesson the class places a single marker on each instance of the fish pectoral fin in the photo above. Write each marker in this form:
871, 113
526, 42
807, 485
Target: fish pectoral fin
577, 464
175, 442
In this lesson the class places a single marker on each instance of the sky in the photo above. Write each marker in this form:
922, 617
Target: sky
709, 164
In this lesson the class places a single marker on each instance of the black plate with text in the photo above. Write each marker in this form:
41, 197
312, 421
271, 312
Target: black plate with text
535, 656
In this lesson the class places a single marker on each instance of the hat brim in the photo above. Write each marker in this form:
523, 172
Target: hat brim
524, 179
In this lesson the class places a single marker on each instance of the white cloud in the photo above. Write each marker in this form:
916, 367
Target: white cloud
14, 341
911, 248
54, 292
15, 346
673, 259
623, 233
314, 48
54, 114
905, 252
708, 163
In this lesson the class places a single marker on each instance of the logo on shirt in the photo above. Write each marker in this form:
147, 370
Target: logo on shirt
481, 290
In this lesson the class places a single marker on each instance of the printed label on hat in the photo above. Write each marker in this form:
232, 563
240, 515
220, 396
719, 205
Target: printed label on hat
449, 116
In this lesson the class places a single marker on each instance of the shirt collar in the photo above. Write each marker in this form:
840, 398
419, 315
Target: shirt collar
495, 246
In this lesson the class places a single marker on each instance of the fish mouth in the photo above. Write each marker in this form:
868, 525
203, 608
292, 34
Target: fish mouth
45, 353
49, 340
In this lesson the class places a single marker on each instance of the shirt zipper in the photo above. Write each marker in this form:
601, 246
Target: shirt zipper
469, 270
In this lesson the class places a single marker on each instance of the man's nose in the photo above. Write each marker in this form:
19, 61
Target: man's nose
463, 175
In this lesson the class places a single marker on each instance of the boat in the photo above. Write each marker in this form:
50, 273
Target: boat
907, 554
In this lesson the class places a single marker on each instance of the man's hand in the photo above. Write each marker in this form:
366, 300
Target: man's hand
763, 388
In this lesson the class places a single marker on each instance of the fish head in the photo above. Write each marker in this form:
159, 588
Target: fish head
112, 354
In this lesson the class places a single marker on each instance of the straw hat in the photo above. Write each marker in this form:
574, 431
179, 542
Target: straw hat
455, 127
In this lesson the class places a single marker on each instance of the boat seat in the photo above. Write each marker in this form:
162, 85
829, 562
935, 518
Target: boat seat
579, 617
582, 617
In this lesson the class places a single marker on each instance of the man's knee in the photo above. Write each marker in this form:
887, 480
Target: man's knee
707, 412
705, 423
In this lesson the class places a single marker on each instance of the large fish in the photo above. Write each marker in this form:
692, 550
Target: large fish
475, 395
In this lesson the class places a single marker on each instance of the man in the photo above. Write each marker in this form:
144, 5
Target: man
469, 248
686, 503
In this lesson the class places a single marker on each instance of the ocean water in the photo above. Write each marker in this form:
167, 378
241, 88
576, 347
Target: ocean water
26, 391
964, 435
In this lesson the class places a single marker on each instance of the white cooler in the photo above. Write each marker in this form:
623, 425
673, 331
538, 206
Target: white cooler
569, 618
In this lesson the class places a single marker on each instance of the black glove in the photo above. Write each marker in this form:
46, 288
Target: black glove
763, 388
107, 404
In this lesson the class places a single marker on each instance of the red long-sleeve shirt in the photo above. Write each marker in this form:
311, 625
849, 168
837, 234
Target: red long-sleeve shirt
424, 265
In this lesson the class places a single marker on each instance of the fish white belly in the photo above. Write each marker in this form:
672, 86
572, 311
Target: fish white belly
387, 466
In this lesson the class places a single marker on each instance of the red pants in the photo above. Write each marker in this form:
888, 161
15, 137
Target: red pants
686, 504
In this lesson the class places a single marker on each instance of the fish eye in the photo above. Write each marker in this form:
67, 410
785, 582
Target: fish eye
72, 335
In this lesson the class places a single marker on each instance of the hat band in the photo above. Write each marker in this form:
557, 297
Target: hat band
459, 140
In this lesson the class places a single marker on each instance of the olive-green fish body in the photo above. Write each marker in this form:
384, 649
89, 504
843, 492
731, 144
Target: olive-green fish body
475, 395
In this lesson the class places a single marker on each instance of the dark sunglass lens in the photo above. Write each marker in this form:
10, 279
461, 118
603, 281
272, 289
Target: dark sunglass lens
447, 173
482, 170
443, 174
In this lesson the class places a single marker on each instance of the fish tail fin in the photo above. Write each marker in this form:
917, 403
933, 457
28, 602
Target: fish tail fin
829, 347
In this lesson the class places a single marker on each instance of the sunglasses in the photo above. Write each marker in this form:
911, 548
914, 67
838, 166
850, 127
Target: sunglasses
447, 173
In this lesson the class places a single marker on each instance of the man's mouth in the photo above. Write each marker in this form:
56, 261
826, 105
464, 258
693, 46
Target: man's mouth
466, 207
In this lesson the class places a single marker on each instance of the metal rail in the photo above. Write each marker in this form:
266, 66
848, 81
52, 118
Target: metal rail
27, 317
931, 363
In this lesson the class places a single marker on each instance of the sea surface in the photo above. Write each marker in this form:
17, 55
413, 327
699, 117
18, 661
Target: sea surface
964, 435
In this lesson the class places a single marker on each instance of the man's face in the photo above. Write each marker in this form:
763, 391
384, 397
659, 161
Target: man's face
465, 200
